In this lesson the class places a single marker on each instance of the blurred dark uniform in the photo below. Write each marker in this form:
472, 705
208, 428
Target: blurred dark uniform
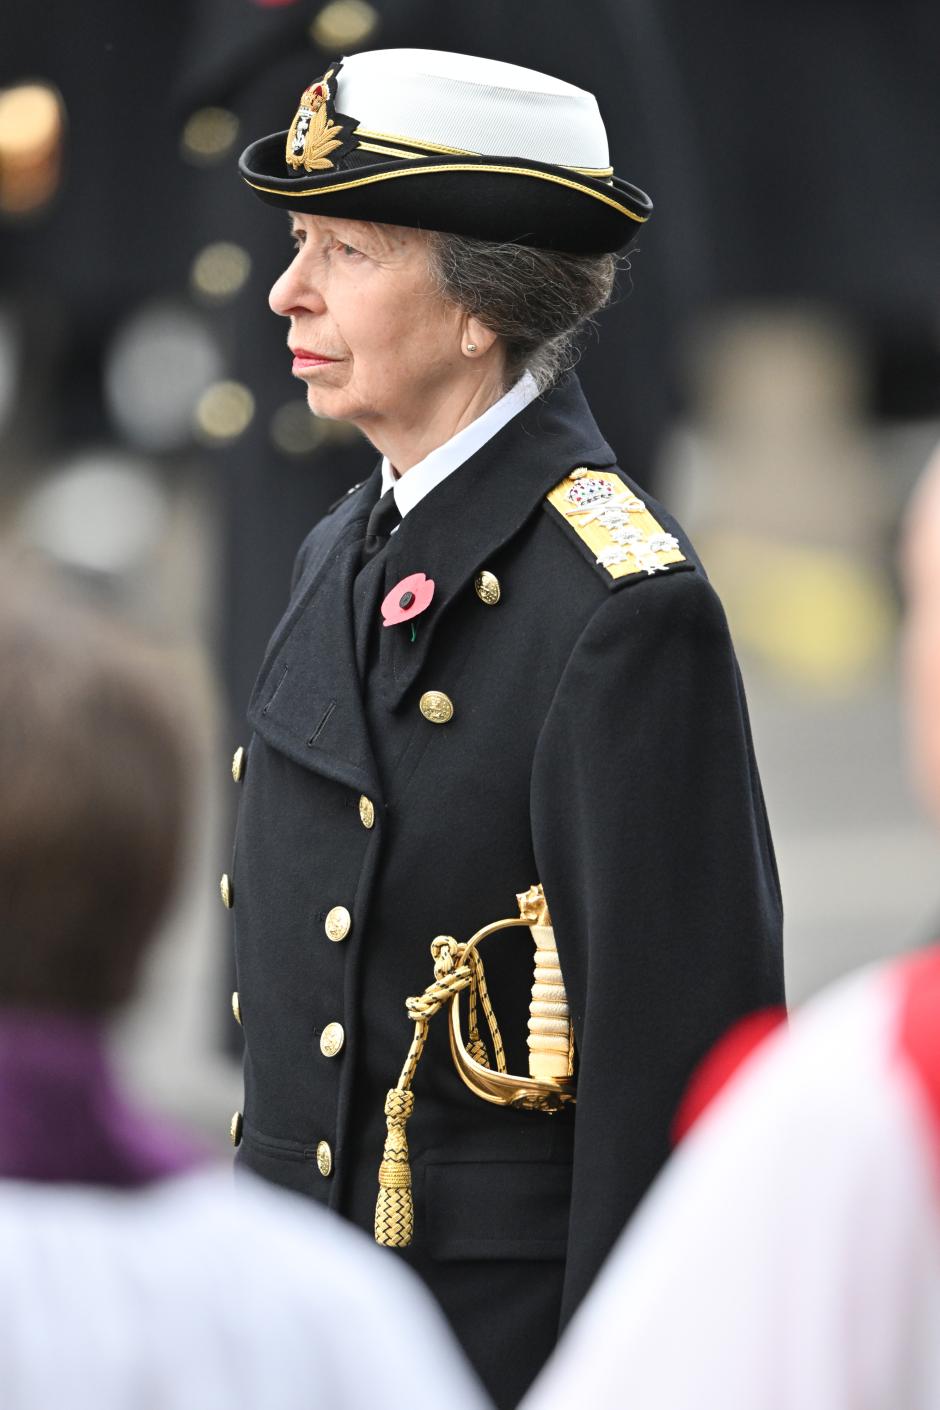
585, 731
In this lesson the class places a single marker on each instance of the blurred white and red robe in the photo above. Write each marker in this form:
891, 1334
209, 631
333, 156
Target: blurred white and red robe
788, 1258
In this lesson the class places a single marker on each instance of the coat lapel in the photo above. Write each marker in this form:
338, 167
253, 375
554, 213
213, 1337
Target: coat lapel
462, 523
307, 702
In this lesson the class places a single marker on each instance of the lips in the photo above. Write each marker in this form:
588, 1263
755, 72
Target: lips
305, 358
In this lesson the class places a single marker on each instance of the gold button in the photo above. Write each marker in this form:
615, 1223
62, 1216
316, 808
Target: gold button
366, 811
236, 1007
235, 1129
324, 1158
436, 707
226, 892
238, 764
487, 588
338, 923
332, 1039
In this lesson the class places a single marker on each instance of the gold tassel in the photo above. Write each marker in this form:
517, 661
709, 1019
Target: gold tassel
394, 1209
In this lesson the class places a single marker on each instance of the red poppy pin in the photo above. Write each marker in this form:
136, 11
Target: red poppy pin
407, 599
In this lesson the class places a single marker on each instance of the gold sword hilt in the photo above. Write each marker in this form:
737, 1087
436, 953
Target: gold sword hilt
550, 1040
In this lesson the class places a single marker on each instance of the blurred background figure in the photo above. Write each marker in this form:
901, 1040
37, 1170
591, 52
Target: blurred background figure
118, 1241
789, 1257
778, 386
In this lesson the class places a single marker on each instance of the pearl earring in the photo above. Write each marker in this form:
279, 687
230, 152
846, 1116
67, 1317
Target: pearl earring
471, 347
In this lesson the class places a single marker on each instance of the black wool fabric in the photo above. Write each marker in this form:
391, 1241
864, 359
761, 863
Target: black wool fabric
599, 745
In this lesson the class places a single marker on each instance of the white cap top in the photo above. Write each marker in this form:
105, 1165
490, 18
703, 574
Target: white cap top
474, 105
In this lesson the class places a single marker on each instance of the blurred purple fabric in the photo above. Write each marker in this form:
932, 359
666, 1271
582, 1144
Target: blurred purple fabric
62, 1116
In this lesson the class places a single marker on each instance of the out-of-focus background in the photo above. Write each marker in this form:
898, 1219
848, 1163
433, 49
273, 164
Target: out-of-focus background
771, 370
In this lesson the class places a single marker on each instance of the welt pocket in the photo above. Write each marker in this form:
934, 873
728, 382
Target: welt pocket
275, 1145
497, 1209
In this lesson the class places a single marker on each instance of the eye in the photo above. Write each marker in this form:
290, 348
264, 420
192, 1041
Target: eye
348, 251
297, 238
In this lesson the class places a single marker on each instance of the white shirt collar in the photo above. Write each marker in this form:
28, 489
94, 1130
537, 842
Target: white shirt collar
412, 487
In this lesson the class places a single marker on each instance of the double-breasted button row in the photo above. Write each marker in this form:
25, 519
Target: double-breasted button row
226, 890
435, 705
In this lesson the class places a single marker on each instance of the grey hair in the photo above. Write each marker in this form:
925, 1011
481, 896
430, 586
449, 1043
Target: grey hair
539, 302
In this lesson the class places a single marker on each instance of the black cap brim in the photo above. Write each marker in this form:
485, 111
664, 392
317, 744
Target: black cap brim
509, 199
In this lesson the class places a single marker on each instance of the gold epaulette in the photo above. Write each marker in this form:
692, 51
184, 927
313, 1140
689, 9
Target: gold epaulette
617, 528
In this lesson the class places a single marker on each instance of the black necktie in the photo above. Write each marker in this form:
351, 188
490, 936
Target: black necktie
383, 519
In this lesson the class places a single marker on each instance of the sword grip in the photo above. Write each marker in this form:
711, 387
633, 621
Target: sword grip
549, 1041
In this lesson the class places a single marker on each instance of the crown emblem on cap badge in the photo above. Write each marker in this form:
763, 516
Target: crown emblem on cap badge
313, 133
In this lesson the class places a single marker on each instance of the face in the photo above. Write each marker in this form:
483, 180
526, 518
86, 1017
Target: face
371, 338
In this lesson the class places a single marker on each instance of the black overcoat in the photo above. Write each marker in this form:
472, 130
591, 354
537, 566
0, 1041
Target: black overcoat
599, 744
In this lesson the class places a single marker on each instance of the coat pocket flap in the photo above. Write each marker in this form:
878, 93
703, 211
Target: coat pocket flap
497, 1209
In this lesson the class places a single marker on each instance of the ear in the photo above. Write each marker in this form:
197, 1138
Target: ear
476, 338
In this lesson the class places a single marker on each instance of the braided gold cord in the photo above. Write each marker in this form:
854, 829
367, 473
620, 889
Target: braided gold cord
475, 1044
394, 1207
487, 1006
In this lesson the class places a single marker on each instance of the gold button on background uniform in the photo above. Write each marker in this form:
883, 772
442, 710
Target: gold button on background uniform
338, 923
235, 1129
225, 891
436, 707
238, 764
487, 588
324, 1158
366, 811
236, 1007
332, 1039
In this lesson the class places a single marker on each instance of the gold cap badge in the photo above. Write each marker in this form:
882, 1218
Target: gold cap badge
315, 133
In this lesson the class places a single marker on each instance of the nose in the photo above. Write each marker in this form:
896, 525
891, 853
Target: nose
296, 291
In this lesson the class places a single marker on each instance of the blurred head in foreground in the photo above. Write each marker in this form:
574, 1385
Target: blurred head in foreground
91, 815
91, 803
131, 1271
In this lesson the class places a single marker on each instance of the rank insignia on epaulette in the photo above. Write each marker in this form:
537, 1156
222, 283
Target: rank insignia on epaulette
614, 524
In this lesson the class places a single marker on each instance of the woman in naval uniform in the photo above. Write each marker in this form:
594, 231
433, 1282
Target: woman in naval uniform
501, 664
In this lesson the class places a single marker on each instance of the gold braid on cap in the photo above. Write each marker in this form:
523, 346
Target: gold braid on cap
549, 1086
